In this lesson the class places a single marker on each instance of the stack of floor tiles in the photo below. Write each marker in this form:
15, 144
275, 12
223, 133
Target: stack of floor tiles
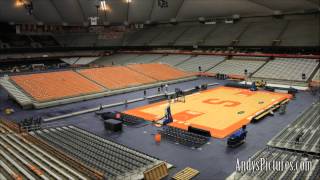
55, 85
205, 61
115, 160
285, 70
173, 60
275, 157
235, 68
303, 134
20, 159
116, 77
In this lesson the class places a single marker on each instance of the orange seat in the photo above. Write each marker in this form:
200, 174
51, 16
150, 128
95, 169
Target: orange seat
116, 77
161, 72
55, 85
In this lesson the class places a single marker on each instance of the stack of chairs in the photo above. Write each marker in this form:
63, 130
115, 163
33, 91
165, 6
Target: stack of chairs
30, 124
128, 119
183, 137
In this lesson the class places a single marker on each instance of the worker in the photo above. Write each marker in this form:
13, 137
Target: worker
145, 93
253, 86
126, 103
282, 109
166, 88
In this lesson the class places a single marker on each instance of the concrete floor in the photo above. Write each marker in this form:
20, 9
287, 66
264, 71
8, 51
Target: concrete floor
213, 160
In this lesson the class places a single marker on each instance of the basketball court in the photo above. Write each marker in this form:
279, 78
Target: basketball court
220, 111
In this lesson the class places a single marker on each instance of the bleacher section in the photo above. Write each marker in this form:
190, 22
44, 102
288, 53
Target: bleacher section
285, 70
173, 60
22, 159
316, 78
303, 134
15, 92
117, 59
62, 87
116, 77
235, 68
55, 85
145, 58
194, 35
161, 72
77, 39
204, 61
71, 60
225, 34
262, 33
274, 157
16, 41
301, 33
85, 60
168, 36
45, 40
114, 160
289, 31
143, 37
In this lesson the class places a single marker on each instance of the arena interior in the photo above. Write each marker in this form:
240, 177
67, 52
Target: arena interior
159, 89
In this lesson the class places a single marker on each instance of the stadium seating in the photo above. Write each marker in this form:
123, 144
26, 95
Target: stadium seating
45, 40
173, 60
116, 77
117, 59
301, 33
55, 85
285, 69
253, 35
225, 34
168, 35
316, 77
77, 39
303, 134
194, 35
16, 41
115, 160
85, 60
145, 58
21, 159
161, 72
142, 37
235, 67
206, 62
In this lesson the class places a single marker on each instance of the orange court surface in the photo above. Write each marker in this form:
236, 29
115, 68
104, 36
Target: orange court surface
220, 111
